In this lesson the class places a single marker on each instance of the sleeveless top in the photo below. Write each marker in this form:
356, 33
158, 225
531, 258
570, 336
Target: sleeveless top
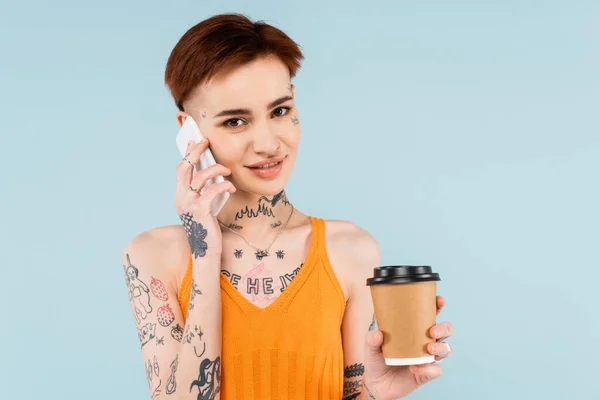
291, 349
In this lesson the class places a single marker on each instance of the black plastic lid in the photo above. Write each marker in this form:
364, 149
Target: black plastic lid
391, 274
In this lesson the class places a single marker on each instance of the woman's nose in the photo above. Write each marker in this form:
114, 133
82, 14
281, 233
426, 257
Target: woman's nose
266, 141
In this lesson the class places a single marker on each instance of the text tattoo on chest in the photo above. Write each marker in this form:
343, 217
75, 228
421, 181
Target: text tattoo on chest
254, 284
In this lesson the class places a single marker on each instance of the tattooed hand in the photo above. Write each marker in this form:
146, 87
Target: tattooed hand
194, 209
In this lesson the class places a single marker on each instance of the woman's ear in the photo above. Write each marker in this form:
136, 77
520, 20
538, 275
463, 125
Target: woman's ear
181, 116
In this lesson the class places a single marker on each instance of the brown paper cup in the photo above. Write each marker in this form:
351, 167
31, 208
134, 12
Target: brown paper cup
405, 311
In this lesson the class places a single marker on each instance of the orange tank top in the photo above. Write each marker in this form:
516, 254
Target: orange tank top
292, 349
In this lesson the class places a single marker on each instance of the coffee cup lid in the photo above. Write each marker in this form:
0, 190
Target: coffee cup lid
390, 274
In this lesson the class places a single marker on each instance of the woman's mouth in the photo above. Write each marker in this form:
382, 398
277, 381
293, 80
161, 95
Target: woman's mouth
268, 169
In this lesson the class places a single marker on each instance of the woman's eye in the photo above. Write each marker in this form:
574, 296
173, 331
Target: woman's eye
281, 111
234, 123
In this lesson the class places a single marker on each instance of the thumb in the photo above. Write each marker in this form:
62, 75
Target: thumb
374, 361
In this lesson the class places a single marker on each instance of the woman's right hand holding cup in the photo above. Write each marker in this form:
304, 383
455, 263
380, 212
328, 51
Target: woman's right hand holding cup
193, 208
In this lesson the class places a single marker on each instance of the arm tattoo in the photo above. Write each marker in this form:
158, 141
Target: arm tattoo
352, 389
195, 291
146, 333
165, 315
196, 235
171, 382
152, 370
158, 289
373, 325
354, 370
209, 379
138, 291
371, 395
177, 332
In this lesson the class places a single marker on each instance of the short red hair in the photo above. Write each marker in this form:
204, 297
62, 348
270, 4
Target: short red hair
221, 42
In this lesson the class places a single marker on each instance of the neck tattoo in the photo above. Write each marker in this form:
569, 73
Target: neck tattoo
260, 252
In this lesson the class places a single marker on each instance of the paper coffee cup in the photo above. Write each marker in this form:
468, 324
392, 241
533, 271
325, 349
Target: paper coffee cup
404, 298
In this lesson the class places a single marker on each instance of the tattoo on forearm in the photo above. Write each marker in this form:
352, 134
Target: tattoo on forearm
177, 332
371, 395
295, 121
193, 294
138, 292
352, 389
209, 379
146, 333
160, 341
191, 333
238, 253
165, 315
196, 235
280, 254
235, 227
354, 370
171, 386
276, 224
373, 325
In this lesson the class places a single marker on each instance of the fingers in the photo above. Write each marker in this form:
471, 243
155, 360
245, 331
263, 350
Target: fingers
201, 177
374, 361
185, 168
217, 189
441, 331
425, 373
374, 341
440, 302
440, 350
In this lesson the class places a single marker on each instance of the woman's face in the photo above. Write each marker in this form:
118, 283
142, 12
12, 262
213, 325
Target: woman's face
249, 117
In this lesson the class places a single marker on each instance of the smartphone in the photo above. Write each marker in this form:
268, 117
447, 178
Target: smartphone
190, 131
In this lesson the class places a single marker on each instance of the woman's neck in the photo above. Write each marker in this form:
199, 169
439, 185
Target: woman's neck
253, 215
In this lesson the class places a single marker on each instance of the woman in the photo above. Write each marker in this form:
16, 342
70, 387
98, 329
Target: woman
263, 301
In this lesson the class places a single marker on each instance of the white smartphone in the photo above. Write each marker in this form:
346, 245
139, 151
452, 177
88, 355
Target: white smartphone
190, 131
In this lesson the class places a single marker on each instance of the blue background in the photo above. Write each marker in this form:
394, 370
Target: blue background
463, 134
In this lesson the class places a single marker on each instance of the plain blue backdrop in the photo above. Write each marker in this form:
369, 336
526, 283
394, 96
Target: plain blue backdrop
461, 134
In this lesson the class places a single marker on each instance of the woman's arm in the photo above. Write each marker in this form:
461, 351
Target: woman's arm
359, 316
181, 360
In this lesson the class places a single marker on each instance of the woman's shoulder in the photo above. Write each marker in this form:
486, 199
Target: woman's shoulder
349, 243
163, 249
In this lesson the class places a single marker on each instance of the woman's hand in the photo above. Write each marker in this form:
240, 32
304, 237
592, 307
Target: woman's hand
383, 382
194, 209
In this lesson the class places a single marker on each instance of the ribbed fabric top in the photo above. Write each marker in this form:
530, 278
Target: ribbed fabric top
291, 349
